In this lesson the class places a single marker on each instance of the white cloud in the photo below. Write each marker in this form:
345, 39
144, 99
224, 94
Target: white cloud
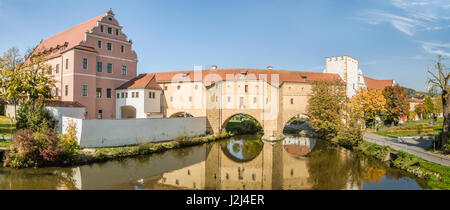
413, 16
403, 24
437, 48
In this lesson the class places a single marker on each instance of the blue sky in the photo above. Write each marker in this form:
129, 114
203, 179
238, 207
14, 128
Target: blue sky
392, 39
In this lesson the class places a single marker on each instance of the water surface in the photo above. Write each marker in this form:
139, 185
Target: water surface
239, 163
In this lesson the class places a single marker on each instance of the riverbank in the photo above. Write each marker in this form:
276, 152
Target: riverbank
96, 155
435, 175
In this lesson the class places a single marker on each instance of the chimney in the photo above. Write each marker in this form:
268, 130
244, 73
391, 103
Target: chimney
269, 68
214, 67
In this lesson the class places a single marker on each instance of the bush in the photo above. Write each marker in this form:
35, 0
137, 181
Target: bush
349, 137
24, 150
49, 148
34, 116
69, 141
248, 127
43, 147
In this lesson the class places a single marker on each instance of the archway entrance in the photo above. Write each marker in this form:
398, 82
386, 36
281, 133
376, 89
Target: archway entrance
242, 124
128, 112
181, 114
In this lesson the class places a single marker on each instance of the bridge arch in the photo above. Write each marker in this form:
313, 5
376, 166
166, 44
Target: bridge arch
229, 117
288, 123
180, 114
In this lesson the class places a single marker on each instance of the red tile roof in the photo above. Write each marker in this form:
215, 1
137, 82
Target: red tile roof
215, 75
56, 103
143, 81
67, 39
377, 84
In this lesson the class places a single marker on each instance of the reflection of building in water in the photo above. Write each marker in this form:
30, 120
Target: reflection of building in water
272, 168
280, 165
298, 146
205, 167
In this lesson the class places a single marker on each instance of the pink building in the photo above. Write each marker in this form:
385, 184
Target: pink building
89, 61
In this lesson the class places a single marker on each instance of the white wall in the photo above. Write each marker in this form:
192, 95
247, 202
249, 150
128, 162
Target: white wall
59, 112
143, 104
56, 112
111, 133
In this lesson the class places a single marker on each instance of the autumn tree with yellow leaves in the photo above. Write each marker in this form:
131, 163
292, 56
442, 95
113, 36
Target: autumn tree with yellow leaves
368, 104
24, 80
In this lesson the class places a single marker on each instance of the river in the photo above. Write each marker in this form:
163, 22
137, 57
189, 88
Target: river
239, 163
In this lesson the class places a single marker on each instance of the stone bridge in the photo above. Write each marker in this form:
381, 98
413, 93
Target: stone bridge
272, 110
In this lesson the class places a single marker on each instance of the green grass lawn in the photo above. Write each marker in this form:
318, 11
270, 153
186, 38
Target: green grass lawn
5, 127
414, 125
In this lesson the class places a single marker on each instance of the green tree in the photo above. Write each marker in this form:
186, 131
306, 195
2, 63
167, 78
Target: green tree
24, 80
10, 80
437, 101
422, 109
325, 107
33, 115
440, 79
429, 103
397, 103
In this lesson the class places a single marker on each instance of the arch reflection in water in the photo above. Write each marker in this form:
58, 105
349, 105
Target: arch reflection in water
235, 164
243, 148
298, 146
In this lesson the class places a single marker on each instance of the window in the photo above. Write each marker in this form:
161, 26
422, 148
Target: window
99, 66
165, 87
122, 49
110, 19
190, 98
66, 90
99, 92
118, 95
56, 92
229, 99
100, 114
124, 70
246, 88
57, 69
123, 95
126, 94
108, 93
102, 29
50, 69
254, 100
171, 98
84, 90
151, 94
67, 63
109, 68
292, 101
85, 63
137, 94
178, 87
196, 87
117, 32
109, 46
109, 30
132, 95
99, 44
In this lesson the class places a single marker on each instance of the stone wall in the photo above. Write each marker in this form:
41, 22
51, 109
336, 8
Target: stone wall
112, 133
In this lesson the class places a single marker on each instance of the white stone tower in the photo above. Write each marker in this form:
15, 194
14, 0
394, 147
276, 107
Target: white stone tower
347, 68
